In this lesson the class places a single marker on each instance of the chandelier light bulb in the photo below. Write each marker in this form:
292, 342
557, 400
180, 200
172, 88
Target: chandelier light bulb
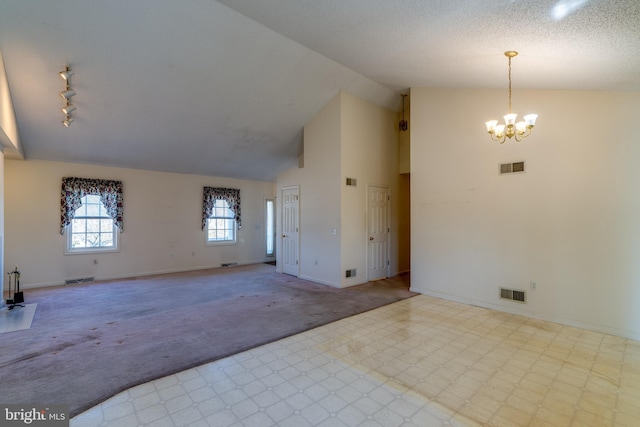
530, 119
510, 119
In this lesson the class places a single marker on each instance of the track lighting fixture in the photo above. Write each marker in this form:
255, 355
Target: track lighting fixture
66, 95
403, 125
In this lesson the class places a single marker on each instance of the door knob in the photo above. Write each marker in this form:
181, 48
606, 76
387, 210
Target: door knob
370, 237
283, 236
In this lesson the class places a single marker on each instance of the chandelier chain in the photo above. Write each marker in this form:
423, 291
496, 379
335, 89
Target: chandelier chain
509, 85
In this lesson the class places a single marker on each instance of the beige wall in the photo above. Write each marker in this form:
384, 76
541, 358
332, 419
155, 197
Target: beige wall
369, 154
319, 207
351, 138
162, 223
569, 224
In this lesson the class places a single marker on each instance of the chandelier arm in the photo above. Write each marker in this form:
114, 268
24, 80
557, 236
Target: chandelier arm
501, 140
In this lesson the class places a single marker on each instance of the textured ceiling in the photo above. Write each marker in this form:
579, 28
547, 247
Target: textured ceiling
563, 44
225, 88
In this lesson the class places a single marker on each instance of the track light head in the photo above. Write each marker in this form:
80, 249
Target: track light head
67, 109
67, 122
66, 74
67, 94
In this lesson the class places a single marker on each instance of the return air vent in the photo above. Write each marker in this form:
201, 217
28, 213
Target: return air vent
228, 264
513, 295
78, 280
350, 273
351, 182
516, 167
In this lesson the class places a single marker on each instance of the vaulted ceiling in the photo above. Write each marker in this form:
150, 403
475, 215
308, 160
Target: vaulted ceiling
224, 88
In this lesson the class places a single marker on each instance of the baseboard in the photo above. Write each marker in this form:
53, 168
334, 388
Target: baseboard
562, 321
322, 282
132, 275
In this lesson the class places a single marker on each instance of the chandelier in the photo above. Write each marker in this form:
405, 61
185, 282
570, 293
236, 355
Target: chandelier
511, 129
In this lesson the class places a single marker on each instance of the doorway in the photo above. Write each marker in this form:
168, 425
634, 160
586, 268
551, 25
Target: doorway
378, 232
290, 230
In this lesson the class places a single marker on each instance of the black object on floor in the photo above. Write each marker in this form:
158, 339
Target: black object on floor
18, 297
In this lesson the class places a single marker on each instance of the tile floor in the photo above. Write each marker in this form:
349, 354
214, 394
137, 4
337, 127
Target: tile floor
17, 318
419, 362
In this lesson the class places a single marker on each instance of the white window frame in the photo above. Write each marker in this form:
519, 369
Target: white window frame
69, 250
229, 217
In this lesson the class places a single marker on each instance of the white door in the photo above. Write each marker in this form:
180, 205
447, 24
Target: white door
290, 230
378, 233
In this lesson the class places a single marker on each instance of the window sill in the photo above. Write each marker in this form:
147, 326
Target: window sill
90, 251
222, 243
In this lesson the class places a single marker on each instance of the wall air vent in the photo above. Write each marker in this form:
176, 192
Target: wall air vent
351, 182
78, 280
228, 264
350, 273
516, 167
513, 295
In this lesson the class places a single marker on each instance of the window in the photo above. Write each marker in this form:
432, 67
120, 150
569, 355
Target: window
270, 223
221, 225
91, 229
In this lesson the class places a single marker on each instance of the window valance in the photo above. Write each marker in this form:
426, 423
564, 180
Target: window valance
74, 189
211, 194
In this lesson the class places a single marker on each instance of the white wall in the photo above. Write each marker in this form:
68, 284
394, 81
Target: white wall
369, 154
162, 223
352, 138
319, 182
569, 224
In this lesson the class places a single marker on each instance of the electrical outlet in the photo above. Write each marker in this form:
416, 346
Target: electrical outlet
532, 285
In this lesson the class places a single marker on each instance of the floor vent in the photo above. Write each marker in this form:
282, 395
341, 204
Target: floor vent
350, 273
228, 264
516, 167
513, 295
79, 280
351, 182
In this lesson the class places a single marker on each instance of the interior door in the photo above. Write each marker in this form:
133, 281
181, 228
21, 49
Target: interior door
290, 230
378, 233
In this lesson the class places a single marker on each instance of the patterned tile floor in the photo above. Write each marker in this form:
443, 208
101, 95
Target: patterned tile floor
419, 362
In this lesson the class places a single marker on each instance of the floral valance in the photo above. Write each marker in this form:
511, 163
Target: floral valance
74, 189
211, 194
